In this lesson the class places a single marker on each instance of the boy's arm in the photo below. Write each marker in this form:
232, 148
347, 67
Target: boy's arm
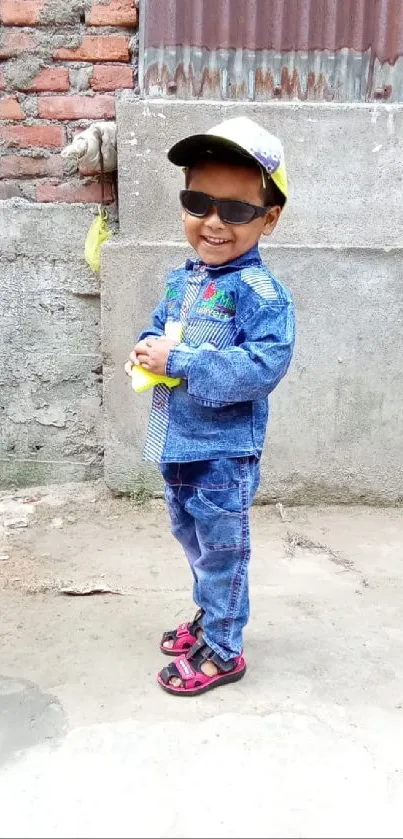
246, 372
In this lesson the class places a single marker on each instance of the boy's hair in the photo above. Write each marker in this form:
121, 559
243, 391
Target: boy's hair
271, 195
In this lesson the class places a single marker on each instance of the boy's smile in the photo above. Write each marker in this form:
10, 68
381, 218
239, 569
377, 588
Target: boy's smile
215, 241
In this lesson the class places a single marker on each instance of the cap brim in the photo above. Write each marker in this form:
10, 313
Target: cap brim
188, 151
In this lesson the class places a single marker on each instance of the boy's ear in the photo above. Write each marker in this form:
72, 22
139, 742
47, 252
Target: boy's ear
271, 219
183, 215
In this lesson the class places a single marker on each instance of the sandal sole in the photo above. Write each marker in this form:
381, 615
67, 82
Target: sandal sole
222, 680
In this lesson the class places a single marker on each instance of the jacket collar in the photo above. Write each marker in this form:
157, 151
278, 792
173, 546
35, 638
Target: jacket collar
251, 257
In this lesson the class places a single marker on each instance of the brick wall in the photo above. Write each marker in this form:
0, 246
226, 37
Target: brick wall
62, 63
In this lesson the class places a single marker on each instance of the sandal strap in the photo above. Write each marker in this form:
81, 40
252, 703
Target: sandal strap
184, 628
195, 624
178, 669
188, 666
200, 651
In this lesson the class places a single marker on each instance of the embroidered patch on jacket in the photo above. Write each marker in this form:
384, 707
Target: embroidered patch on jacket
216, 303
260, 282
172, 297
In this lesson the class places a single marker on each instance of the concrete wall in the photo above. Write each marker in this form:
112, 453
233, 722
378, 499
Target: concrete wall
50, 355
63, 64
337, 430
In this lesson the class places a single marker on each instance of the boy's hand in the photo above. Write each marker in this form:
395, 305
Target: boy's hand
152, 354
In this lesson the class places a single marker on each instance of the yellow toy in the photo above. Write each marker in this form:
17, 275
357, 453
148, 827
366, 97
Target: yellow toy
143, 379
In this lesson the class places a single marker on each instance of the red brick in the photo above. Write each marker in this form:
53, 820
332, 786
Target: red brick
14, 166
111, 77
3, 83
50, 78
97, 48
10, 108
21, 12
72, 193
114, 13
33, 136
16, 43
76, 107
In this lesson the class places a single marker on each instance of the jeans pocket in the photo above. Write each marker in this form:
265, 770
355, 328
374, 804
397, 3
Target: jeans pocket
221, 502
218, 518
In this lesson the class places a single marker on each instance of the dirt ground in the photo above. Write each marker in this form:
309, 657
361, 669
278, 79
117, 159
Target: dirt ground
310, 743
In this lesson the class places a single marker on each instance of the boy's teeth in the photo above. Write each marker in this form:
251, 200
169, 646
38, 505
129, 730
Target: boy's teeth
215, 241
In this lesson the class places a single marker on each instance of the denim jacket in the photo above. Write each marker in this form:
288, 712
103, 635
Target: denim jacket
238, 339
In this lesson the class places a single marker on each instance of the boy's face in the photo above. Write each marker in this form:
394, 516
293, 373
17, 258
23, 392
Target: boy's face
215, 241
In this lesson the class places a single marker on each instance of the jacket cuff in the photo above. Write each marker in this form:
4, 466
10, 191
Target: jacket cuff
179, 361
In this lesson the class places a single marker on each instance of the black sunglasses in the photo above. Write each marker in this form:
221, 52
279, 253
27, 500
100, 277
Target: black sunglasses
230, 211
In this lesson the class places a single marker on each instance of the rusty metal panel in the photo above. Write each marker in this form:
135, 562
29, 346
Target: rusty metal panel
329, 50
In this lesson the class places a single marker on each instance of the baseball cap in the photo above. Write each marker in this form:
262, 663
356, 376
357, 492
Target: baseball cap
242, 135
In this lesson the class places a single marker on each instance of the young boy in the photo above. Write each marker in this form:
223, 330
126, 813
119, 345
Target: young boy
207, 434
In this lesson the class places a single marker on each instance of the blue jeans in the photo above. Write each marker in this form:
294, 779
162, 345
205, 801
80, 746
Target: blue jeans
208, 502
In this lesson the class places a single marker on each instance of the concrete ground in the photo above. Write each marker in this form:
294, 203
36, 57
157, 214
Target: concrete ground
309, 744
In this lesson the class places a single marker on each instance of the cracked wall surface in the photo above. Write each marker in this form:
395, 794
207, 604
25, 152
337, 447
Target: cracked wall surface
63, 65
50, 355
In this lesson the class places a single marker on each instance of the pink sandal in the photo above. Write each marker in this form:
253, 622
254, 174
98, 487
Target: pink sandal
187, 668
183, 637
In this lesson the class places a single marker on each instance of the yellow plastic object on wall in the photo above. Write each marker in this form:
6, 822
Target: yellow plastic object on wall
98, 233
143, 379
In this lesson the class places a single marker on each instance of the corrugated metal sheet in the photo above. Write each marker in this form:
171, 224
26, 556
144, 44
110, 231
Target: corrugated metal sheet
334, 50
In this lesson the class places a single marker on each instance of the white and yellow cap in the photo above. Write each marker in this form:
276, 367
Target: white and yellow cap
242, 135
